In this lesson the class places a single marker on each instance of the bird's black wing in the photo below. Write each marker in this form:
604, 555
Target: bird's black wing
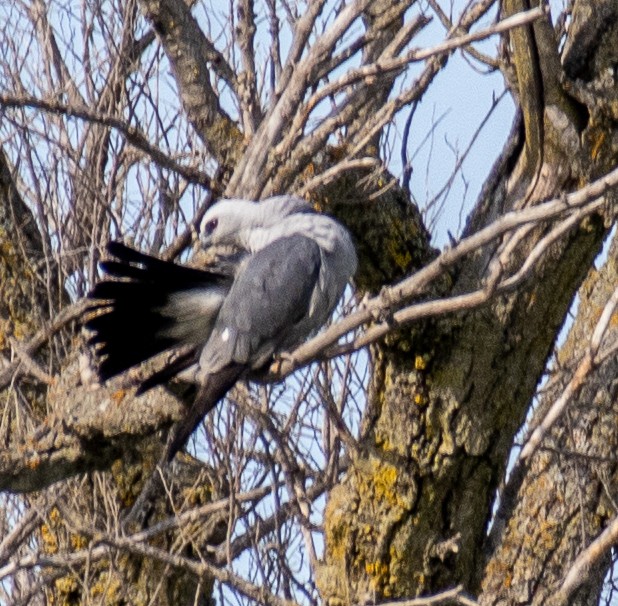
151, 306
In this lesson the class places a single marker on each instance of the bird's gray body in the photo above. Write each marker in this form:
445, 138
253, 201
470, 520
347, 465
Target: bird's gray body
294, 267
297, 267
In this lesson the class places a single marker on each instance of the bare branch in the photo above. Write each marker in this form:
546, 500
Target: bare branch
587, 198
396, 64
64, 317
283, 513
190, 53
447, 23
306, 147
586, 561
247, 79
450, 596
93, 432
132, 134
329, 175
590, 362
249, 183
302, 30
584, 369
103, 545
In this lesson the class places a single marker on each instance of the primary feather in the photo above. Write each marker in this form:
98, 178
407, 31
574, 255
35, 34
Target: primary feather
153, 306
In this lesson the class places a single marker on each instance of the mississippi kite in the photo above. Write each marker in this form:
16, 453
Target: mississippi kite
293, 266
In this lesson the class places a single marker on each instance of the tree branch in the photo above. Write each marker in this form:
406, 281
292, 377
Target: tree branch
132, 134
190, 52
96, 427
391, 296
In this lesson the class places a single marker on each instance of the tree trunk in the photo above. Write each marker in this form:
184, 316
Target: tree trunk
447, 398
567, 495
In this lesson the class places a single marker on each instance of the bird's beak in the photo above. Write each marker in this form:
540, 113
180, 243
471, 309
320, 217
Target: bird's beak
205, 241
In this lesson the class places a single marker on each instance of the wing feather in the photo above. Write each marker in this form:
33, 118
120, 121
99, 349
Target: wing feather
267, 308
151, 306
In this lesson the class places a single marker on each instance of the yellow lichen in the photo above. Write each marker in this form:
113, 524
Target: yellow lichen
198, 495
54, 515
118, 396
382, 483
387, 446
33, 461
377, 571
50, 542
597, 144
78, 541
107, 589
401, 257
420, 399
66, 584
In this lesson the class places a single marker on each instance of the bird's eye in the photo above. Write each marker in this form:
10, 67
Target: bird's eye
210, 226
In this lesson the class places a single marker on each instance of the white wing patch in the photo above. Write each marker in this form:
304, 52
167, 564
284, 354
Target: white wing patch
193, 313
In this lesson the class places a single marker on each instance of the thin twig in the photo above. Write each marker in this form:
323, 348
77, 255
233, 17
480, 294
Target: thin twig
456, 594
586, 561
132, 134
585, 367
67, 315
588, 198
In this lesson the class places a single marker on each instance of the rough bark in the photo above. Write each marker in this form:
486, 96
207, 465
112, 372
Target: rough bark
411, 515
87, 430
568, 494
78, 429
26, 301
191, 55
566, 497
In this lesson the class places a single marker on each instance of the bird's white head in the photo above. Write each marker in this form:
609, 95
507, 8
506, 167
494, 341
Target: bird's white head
232, 222
224, 222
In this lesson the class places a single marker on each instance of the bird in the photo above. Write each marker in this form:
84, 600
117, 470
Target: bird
291, 268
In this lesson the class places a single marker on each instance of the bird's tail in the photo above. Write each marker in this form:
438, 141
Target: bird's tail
209, 393
150, 306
